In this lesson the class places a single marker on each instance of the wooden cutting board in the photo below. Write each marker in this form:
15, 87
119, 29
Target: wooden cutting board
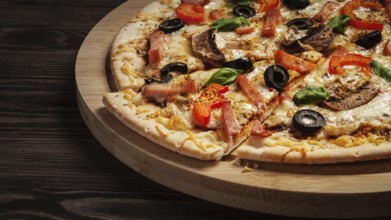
343, 190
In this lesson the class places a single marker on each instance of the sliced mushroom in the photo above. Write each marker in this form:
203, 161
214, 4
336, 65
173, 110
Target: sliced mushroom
315, 38
343, 98
207, 46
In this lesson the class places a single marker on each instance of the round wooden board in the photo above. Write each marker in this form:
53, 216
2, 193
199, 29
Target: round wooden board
330, 191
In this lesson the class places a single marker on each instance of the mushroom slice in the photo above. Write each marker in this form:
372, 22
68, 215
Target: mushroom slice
207, 46
343, 98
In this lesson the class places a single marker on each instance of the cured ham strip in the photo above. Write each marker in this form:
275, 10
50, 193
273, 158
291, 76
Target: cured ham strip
387, 48
324, 14
195, 2
252, 93
157, 42
259, 130
231, 125
387, 6
159, 90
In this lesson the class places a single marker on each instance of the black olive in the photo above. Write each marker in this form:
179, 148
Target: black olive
308, 121
300, 23
369, 40
151, 80
171, 25
245, 11
276, 76
243, 63
296, 4
173, 67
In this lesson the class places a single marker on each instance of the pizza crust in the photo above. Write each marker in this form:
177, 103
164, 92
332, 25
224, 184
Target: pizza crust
204, 145
281, 154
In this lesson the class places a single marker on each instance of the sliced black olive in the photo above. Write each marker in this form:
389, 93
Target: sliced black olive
369, 40
276, 76
245, 11
171, 25
300, 23
243, 63
151, 80
178, 67
308, 121
296, 4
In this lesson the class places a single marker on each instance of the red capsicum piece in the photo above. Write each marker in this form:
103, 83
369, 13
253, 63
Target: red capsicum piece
338, 61
212, 97
191, 14
266, 5
349, 7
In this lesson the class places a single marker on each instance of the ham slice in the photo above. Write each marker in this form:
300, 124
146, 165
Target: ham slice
324, 14
159, 91
252, 93
157, 42
259, 130
231, 125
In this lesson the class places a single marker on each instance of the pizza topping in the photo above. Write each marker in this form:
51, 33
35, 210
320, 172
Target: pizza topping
244, 63
381, 70
178, 67
231, 124
317, 37
338, 61
252, 93
266, 5
244, 11
292, 62
324, 14
160, 92
387, 48
207, 45
387, 6
276, 76
343, 98
338, 23
300, 23
190, 13
171, 25
310, 94
233, 3
229, 24
296, 4
270, 23
195, 2
216, 14
157, 49
349, 7
211, 97
224, 76
244, 30
258, 129
369, 40
308, 121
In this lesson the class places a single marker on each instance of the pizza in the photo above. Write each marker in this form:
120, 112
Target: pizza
290, 81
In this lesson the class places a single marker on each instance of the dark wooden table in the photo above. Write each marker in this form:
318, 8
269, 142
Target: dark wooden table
51, 166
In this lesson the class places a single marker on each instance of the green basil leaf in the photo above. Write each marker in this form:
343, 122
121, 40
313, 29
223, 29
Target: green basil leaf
310, 94
234, 3
338, 23
381, 71
224, 76
229, 24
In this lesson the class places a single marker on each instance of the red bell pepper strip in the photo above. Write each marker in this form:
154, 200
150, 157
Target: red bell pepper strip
190, 14
267, 5
292, 62
210, 98
270, 23
338, 61
349, 7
